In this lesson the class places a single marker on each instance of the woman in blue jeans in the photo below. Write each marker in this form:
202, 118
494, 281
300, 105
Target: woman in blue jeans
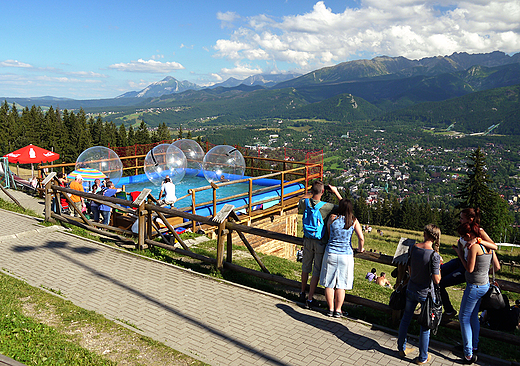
421, 276
453, 272
477, 265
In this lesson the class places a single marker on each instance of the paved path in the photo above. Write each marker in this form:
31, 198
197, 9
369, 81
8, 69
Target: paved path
214, 321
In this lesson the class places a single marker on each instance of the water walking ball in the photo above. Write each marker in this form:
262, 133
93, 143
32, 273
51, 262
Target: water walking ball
223, 163
103, 159
178, 163
161, 161
194, 155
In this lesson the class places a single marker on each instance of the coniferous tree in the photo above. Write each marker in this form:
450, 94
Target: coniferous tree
189, 135
13, 129
122, 137
131, 136
179, 135
96, 130
163, 134
142, 135
474, 192
110, 135
84, 139
4, 137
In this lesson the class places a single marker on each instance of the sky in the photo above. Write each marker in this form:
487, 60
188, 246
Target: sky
102, 49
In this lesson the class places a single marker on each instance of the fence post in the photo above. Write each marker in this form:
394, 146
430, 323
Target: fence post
48, 201
141, 226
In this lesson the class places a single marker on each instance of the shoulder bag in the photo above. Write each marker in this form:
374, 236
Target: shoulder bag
493, 299
431, 311
398, 297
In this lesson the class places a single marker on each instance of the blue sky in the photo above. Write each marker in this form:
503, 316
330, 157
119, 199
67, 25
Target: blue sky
101, 49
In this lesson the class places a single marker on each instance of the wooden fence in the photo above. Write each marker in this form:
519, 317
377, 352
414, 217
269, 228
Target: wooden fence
224, 223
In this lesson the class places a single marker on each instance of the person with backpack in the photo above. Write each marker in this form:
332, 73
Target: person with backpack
106, 210
337, 273
315, 212
424, 268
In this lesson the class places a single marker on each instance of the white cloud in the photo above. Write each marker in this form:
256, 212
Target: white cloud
239, 72
227, 18
150, 66
87, 74
139, 85
409, 28
14, 63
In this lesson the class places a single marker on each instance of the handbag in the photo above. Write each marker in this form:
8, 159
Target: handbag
431, 310
398, 298
493, 299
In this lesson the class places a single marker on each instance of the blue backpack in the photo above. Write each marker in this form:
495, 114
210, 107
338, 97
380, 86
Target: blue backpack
313, 223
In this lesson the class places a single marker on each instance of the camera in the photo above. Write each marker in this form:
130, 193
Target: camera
327, 188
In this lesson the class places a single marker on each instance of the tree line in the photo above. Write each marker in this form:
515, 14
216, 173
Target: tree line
68, 133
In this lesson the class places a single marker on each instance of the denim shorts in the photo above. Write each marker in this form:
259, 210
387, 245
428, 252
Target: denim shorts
337, 271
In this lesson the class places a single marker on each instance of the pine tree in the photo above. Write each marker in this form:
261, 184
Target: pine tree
189, 135
179, 135
475, 192
4, 137
131, 136
142, 135
122, 137
163, 134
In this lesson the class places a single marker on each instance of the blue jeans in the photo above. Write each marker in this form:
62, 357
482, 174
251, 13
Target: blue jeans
412, 298
468, 316
94, 207
453, 273
106, 217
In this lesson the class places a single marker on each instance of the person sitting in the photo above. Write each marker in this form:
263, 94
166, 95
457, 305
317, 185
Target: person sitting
169, 192
371, 276
382, 281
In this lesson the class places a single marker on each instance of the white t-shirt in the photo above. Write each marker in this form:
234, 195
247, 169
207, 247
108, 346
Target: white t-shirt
169, 192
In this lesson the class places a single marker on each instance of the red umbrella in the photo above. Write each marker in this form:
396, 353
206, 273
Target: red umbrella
31, 154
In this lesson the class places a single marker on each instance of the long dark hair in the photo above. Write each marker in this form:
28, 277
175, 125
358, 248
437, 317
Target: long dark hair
347, 209
473, 214
466, 228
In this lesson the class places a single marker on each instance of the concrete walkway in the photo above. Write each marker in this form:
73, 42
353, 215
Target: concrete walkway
214, 321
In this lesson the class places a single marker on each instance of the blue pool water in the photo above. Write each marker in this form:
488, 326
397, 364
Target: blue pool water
182, 187
138, 182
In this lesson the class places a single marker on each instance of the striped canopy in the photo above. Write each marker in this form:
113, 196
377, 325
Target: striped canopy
88, 174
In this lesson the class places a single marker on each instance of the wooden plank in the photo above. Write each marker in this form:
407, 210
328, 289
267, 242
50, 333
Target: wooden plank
48, 178
222, 215
142, 196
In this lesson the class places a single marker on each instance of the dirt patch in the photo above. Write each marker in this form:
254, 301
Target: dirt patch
114, 342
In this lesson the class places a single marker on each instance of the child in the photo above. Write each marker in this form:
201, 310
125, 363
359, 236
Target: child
371, 276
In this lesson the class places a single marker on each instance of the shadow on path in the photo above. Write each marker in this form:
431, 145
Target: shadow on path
55, 246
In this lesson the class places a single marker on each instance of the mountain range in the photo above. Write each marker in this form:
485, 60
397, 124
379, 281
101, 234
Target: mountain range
355, 90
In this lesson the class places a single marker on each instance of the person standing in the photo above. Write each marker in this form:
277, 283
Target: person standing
79, 202
453, 272
423, 276
313, 248
105, 209
94, 206
337, 273
476, 263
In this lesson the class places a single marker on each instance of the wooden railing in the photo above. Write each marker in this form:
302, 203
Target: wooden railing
302, 174
225, 225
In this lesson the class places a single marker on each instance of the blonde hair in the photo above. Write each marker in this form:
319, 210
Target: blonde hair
433, 232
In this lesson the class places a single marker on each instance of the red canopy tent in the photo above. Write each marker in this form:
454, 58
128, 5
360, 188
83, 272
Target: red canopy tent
31, 154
